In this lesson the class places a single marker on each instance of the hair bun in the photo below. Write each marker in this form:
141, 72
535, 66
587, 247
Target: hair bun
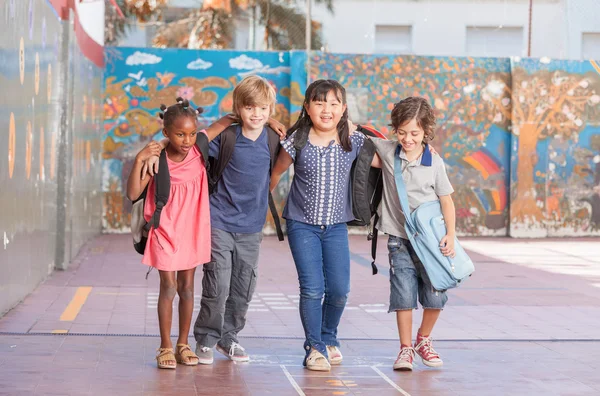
163, 107
185, 103
179, 100
200, 110
161, 116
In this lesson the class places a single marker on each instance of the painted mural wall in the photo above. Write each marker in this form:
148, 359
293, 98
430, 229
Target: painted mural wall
30, 108
138, 81
555, 180
476, 100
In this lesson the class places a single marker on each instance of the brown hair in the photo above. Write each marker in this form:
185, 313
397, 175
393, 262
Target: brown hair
253, 91
317, 92
415, 108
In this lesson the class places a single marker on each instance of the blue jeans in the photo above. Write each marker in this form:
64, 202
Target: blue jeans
322, 258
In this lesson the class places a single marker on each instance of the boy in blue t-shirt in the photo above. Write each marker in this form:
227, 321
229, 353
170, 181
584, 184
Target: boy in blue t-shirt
238, 209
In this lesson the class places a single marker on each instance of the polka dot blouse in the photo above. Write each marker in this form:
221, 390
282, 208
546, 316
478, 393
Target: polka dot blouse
321, 192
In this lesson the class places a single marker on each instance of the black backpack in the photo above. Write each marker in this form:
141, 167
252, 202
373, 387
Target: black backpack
162, 180
218, 165
367, 185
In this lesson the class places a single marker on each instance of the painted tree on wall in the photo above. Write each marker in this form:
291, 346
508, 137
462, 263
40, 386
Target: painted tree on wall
547, 103
469, 96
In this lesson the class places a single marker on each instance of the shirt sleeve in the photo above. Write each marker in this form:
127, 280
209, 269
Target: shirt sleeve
442, 183
358, 140
214, 147
288, 145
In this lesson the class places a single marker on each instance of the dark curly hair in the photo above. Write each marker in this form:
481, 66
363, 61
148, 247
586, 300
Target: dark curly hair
179, 109
317, 91
415, 108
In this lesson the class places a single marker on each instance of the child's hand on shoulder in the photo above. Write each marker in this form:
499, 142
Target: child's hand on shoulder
278, 127
151, 149
447, 246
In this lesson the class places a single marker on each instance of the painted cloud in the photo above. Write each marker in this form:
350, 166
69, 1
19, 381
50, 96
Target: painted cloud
199, 64
141, 58
244, 62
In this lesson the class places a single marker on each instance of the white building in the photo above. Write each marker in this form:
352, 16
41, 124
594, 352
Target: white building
566, 29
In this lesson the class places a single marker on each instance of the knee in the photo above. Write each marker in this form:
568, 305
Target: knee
185, 290
337, 297
168, 289
312, 293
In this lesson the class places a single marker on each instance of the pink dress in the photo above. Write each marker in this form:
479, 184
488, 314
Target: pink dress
182, 240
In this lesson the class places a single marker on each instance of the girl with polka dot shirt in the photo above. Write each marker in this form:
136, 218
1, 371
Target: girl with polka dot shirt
322, 149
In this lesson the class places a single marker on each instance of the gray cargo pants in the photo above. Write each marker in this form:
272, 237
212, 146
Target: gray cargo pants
227, 287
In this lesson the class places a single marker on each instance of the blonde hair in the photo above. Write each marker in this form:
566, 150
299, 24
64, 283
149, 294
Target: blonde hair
253, 91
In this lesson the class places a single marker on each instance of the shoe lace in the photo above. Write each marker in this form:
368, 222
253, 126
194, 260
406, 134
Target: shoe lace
233, 347
425, 344
407, 354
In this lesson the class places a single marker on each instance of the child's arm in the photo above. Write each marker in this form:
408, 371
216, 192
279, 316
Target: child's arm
449, 213
284, 160
376, 163
137, 180
151, 165
278, 127
219, 126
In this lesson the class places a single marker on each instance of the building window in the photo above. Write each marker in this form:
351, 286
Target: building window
590, 46
393, 39
495, 41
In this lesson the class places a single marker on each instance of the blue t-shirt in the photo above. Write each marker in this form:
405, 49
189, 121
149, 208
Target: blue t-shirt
240, 201
321, 192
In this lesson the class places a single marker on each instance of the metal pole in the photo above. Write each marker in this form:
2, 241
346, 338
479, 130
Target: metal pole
308, 39
530, 20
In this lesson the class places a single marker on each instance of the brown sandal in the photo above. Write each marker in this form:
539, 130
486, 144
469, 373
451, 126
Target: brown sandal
165, 355
185, 355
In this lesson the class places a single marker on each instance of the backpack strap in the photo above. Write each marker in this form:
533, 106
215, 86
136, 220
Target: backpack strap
226, 145
162, 188
274, 148
202, 144
373, 238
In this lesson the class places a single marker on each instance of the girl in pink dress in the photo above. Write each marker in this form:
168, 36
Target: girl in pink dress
182, 241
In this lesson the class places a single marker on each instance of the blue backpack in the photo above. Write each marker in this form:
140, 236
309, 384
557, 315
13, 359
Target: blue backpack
425, 228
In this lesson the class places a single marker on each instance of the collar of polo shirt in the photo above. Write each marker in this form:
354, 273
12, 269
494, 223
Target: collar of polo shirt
426, 157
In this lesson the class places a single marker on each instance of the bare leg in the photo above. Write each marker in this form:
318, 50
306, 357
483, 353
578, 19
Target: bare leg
430, 316
168, 288
185, 289
404, 319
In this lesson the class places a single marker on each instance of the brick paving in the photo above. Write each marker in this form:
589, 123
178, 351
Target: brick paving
526, 323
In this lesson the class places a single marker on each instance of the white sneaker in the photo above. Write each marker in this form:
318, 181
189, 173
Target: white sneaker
236, 352
205, 354
335, 356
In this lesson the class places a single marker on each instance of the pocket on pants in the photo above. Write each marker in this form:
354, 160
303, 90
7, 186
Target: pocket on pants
252, 285
209, 281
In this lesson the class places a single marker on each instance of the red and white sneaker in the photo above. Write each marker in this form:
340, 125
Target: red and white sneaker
405, 359
425, 350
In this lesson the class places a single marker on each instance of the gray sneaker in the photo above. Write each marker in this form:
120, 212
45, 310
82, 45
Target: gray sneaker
235, 352
205, 354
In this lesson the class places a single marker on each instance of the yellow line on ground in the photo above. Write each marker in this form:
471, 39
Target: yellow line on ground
60, 331
117, 294
72, 310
